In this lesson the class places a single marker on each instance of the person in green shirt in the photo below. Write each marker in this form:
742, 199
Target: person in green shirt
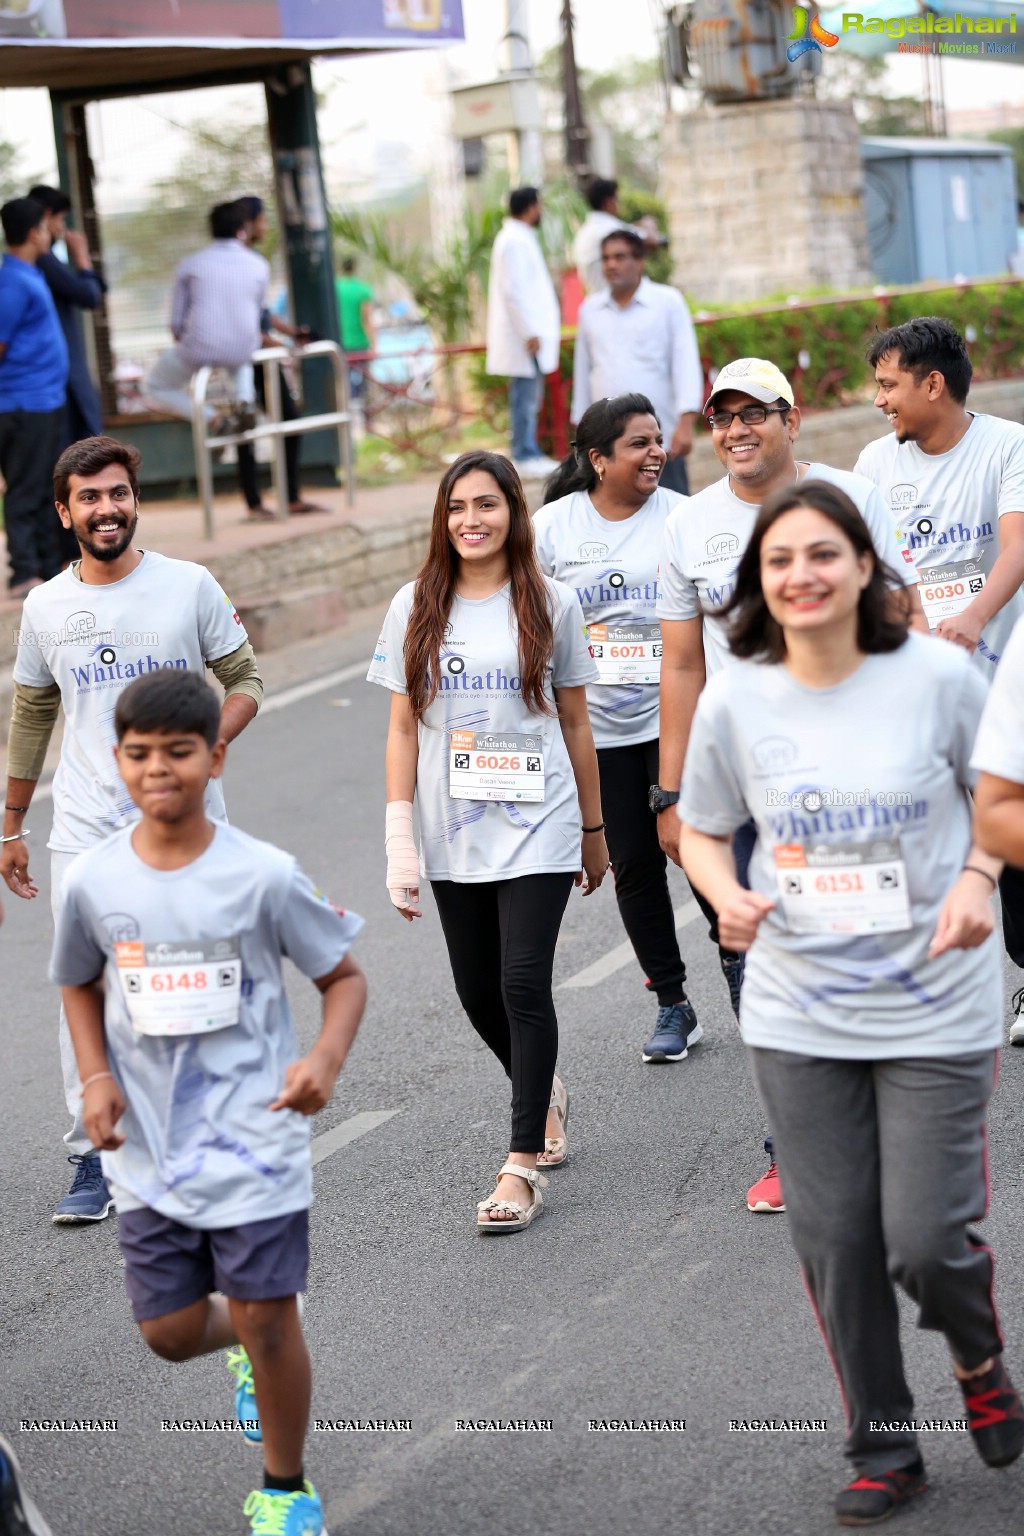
355, 317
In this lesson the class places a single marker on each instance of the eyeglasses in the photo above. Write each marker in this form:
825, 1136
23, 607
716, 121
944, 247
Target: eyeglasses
751, 416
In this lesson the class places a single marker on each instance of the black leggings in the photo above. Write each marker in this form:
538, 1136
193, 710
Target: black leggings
501, 937
1011, 893
639, 865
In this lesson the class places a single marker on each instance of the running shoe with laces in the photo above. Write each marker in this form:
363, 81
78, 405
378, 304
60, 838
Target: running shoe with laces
870, 1500
675, 1030
1017, 1027
276, 1513
246, 1411
995, 1415
732, 969
766, 1194
89, 1198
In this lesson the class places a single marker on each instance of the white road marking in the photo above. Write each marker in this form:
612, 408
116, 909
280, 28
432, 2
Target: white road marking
622, 954
316, 685
349, 1130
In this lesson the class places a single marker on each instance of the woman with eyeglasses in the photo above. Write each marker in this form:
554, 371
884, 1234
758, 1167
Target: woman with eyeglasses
872, 1000
600, 532
487, 663
754, 423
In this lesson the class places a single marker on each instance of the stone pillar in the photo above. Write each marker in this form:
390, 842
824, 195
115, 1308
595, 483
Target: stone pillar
765, 198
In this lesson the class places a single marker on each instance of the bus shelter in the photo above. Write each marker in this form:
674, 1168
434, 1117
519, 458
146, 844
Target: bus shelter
94, 51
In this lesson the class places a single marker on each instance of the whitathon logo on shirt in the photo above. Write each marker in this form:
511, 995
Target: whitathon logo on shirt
456, 677
613, 587
922, 533
106, 669
876, 816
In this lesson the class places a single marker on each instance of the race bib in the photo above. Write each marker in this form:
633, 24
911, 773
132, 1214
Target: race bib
626, 653
181, 988
946, 590
493, 767
843, 887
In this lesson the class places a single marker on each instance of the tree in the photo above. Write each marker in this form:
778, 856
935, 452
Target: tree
446, 289
621, 99
217, 163
1015, 138
863, 82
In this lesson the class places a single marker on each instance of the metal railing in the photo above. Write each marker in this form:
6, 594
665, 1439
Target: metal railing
270, 359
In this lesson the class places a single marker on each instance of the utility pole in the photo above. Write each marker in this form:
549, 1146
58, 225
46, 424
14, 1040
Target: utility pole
525, 155
577, 135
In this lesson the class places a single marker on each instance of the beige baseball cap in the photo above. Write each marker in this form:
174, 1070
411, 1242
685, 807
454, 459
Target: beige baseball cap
753, 376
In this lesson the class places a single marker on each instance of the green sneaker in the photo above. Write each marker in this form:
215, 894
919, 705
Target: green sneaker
246, 1412
275, 1513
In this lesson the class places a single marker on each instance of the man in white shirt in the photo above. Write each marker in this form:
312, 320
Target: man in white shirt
219, 295
523, 326
954, 480
118, 614
637, 337
603, 218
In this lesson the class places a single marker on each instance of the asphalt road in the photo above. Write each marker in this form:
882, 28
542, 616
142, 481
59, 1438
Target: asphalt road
646, 1290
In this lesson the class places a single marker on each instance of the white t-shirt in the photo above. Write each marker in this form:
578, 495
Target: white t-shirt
586, 247
93, 641
201, 1143
884, 755
704, 543
948, 507
999, 748
614, 568
471, 840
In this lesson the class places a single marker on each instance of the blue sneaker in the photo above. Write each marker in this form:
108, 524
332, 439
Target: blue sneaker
675, 1031
89, 1198
732, 969
275, 1513
246, 1412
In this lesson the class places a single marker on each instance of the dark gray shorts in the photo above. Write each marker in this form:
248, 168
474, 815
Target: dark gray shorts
169, 1266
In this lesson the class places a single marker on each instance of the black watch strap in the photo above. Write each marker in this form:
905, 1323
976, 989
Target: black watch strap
660, 799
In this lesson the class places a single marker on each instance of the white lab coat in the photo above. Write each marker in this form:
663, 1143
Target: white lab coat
521, 302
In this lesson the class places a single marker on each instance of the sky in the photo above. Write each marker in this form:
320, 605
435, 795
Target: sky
386, 113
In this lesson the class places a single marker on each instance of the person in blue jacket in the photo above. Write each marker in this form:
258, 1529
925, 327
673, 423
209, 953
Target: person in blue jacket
75, 286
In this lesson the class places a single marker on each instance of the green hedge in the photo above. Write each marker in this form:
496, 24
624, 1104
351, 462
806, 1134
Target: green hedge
834, 335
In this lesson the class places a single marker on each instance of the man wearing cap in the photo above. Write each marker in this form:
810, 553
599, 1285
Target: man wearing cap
754, 425
636, 337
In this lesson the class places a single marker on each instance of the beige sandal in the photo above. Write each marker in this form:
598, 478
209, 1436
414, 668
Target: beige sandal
518, 1216
556, 1148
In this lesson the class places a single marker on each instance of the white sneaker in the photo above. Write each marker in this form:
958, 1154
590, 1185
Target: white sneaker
535, 469
1017, 1027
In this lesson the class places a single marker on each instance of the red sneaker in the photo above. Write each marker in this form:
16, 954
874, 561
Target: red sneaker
995, 1415
872, 1499
766, 1194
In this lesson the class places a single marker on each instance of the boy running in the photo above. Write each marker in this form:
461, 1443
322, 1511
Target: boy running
168, 951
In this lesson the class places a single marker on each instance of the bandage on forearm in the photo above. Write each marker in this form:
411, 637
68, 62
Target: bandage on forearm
400, 847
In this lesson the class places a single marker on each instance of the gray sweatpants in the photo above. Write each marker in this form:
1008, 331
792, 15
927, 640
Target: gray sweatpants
883, 1165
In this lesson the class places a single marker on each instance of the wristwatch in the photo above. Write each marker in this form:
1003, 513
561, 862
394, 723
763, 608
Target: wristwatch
660, 799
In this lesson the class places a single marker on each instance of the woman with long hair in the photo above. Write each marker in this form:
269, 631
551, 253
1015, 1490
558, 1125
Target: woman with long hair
872, 995
600, 532
487, 663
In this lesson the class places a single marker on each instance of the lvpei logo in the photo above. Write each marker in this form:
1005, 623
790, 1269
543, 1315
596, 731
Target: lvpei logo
800, 43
